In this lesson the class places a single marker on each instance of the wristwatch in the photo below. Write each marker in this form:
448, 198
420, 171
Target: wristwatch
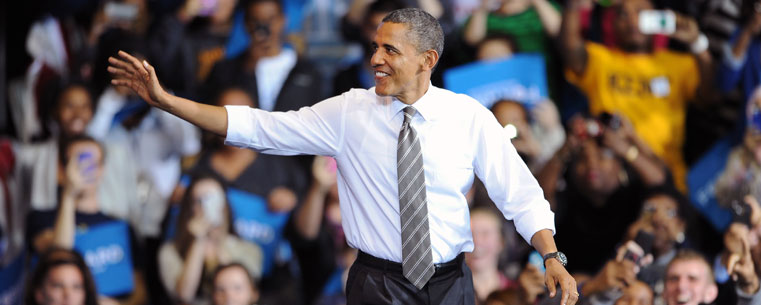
560, 256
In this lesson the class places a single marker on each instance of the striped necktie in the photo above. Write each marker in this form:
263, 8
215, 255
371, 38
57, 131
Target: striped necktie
417, 262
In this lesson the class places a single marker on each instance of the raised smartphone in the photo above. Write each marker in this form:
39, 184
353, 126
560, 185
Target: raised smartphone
657, 22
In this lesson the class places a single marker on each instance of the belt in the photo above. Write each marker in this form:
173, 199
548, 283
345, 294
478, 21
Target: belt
389, 266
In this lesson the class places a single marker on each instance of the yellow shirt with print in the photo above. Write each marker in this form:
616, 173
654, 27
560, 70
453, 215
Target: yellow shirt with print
651, 90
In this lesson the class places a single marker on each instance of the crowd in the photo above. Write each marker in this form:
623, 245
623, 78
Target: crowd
647, 145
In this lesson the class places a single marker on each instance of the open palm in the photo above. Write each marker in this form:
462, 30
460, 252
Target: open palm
139, 77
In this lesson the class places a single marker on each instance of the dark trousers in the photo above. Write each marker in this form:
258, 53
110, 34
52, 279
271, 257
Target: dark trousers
375, 281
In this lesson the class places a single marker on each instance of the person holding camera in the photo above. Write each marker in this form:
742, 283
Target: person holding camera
272, 73
598, 180
650, 87
203, 241
616, 284
79, 214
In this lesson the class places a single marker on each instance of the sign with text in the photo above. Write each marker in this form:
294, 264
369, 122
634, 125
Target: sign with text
12, 281
521, 78
254, 222
701, 181
107, 251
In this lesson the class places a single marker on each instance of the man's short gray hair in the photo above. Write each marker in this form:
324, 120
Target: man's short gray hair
424, 29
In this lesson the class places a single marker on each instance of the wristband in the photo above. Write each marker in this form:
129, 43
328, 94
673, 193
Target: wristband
700, 44
632, 153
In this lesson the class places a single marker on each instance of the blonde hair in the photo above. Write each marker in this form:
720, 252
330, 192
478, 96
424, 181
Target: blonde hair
691, 255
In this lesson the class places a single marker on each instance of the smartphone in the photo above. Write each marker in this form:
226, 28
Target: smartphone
212, 204
85, 163
657, 22
208, 7
121, 11
537, 260
741, 212
609, 120
645, 241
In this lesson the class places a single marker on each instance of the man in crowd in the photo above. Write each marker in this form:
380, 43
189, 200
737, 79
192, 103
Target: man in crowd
650, 87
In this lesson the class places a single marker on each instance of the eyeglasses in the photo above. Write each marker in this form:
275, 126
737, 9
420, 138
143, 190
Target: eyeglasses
649, 209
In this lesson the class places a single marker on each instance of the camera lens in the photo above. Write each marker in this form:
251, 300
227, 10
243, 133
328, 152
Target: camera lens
262, 29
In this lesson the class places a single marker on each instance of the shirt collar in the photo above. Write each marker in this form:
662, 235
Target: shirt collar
426, 105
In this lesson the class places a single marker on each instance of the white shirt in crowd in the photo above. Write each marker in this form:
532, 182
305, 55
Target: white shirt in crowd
458, 136
157, 145
276, 70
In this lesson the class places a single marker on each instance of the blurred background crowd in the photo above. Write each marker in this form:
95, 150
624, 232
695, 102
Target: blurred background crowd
645, 136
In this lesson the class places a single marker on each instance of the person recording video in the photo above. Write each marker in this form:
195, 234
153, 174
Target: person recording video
604, 170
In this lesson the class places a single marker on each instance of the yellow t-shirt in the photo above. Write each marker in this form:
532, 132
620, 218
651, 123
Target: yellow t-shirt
651, 90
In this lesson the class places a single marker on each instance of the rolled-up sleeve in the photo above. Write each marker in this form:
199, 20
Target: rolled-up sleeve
315, 130
509, 182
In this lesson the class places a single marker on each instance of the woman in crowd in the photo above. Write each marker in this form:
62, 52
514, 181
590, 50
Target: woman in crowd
233, 285
204, 241
61, 277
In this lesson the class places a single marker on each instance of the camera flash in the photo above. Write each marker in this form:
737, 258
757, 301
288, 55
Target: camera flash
511, 131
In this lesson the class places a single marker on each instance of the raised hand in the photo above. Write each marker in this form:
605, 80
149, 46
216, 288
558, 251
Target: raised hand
687, 30
546, 114
738, 261
138, 76
531, 282
614, 275
324, 172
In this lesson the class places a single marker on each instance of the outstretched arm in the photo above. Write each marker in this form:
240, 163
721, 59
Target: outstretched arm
141, 78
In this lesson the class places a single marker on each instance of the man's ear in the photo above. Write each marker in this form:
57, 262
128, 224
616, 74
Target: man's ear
711, 293
430, 58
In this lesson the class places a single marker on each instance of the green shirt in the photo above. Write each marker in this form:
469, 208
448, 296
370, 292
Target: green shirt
525, 28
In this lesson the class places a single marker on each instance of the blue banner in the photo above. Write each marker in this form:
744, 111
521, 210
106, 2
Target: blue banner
701, 181
254, 222
107, 251
521, 77
12, 281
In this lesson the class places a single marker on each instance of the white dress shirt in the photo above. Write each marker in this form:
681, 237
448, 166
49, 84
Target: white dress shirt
458, 137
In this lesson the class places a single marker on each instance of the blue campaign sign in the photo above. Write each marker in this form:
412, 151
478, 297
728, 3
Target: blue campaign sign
107, 251
12, 281
701, 180
521, 77
254, 222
